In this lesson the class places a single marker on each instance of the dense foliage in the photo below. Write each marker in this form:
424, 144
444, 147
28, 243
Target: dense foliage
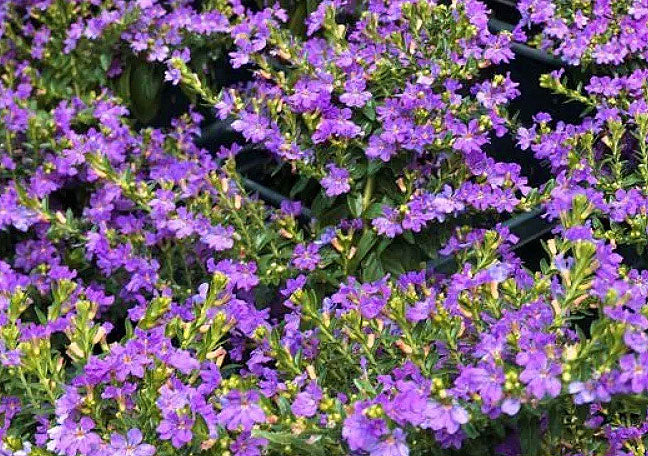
152, 304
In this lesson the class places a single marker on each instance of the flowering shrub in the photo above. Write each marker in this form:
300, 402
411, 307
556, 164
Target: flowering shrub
601, 32
422, 362
390, 116
79, 47
604, 157
151, 305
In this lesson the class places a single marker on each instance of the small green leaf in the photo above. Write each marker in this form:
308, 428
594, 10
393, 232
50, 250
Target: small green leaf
145, 90
299, 186
372, 268
374, 210
42, 319
470, 430
283, 439
369, 110
354, 201
105, 60
122, 88
367, 241
374, 166
530, 434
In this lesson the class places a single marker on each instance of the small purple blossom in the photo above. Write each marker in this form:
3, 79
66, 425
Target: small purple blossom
241, 409
306, 257
336, 182
540, 377
73, 438
131, 445
176, 428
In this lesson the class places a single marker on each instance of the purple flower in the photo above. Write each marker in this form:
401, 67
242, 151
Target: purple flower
246, 445
182, 361
128, 362
511, 406
393, 445
291, 208
584, 392
634, 370
9, 357
173, 75
176, 428
468, 137
396, 131
421, 310
389, 224
379, 148
183, 225
636, 340
487, 381
336, 182
310, 94
122, 394
306, 402
241, 275
293, 285
253, 127
362, 433
76, 438
409, 405
447, 417
241, 409
315, 20
368, 298
219, 238
211, 378
131, 445
540, 377
354, 93
306, 257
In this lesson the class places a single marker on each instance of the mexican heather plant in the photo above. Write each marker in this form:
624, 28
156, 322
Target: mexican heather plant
605, 157
149, 305
78, 47
390, 115
599, 32
424, 363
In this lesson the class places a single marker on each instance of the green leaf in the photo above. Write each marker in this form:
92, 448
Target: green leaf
369, 110
409, 237
470, 430
354, 201
284, 406
401, 257
284, 439
372, 268
530, 434
42, 319
555, 422
145, 90
299, 186
374, 210
367, 241
374, 166
365, 386
105, 60
129, 332
262, 240
321, 203
122, 88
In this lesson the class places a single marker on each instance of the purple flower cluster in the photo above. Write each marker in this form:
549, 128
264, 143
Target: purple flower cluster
495, 363
340, 114
149, 305
603, 32
603, 158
